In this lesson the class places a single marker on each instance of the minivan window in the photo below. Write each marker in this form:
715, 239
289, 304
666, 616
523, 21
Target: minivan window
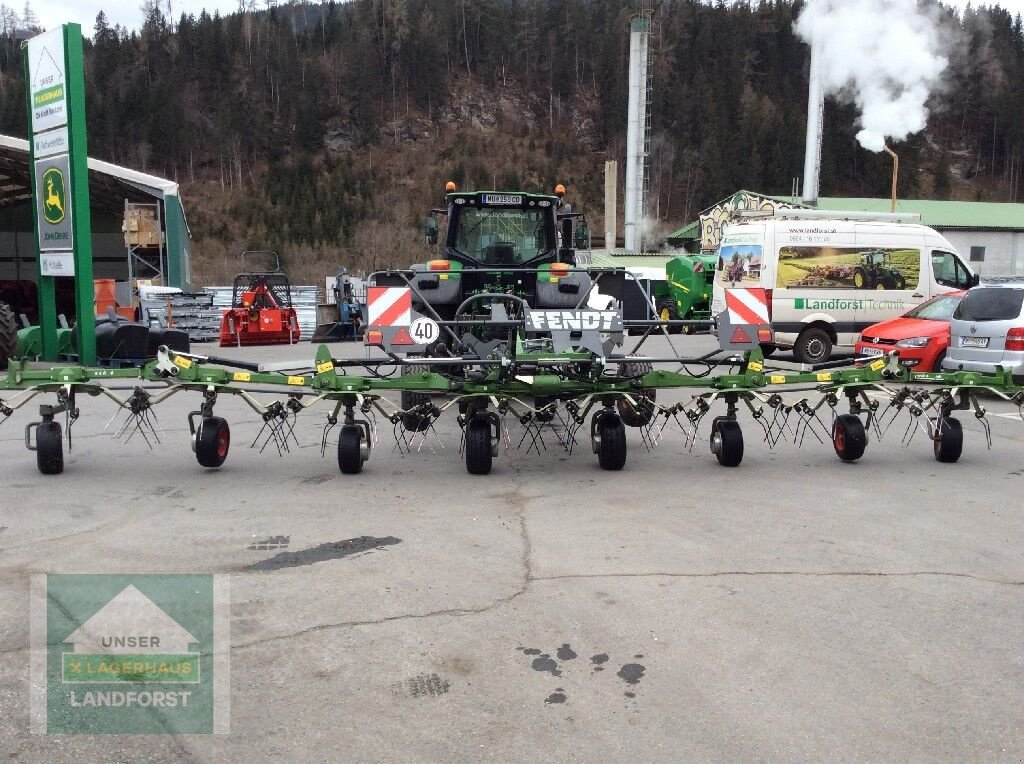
950, 271
993, 304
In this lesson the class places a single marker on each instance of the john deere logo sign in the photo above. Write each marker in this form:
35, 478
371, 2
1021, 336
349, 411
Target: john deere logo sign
54, 196
131, 654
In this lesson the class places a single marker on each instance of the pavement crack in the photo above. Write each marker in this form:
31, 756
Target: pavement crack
791, 573
515, 499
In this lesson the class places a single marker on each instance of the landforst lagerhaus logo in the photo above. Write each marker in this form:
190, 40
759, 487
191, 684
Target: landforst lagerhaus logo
130, 654
54, 196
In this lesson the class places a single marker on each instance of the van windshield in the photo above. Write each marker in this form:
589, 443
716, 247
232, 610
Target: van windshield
994, 304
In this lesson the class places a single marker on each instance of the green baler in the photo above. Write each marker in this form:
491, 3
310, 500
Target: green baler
686, 294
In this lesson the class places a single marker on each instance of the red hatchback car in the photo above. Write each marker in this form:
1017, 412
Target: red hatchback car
920, 335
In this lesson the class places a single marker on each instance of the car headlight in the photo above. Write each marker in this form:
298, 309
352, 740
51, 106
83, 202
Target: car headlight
914, 342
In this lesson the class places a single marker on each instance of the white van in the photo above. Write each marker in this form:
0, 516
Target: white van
830, 278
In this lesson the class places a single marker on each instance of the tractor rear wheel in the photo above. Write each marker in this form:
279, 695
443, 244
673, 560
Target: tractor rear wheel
948, 443
611, 449
478, 446
213, 440
727, 442
640, 411
849, 437
350, 449
414, 422
49, 448
669, 311
8, 335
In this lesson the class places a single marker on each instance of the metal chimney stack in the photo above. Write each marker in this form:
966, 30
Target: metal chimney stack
637, 131
815, 125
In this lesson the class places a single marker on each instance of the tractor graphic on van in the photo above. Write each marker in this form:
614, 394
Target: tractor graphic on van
871, 270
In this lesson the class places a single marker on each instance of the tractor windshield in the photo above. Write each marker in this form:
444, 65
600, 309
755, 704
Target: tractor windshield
502, 235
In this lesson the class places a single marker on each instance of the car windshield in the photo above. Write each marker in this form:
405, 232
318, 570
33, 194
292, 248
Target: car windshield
936, 309
994, 304
502, 235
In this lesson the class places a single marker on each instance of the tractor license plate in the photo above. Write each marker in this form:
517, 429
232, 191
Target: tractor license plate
974, 342
507, 199
872, 351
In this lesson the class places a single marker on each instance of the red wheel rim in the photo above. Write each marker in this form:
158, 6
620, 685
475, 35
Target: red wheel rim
223, 441
838, 437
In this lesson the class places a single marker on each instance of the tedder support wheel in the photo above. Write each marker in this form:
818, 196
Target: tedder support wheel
849, 437
949, 439
611, 443
478, 445
351, 453
213, 439
813, 346
410, 400
727, 442
49, 448
641, 412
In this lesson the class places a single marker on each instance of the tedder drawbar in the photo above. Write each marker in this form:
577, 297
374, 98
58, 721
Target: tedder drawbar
508, 365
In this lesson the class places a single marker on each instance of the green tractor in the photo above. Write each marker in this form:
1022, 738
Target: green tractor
686, 292
876, 271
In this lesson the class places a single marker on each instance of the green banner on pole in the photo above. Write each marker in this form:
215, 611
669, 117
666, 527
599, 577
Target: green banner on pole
60, 181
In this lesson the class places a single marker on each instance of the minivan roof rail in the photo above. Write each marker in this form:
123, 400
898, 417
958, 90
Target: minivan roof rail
798, 214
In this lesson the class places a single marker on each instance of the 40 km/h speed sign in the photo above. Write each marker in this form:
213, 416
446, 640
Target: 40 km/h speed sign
424, 331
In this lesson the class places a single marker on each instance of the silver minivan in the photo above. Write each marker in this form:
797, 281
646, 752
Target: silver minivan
987, 330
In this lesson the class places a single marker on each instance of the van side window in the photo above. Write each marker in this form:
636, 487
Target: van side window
949, 270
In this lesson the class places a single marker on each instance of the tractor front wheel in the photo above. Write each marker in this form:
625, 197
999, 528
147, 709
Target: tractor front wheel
213, 440
49, 448
478, 446
849, 437
948, 441
8, 335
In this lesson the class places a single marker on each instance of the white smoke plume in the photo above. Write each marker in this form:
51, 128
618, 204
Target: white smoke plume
885, 56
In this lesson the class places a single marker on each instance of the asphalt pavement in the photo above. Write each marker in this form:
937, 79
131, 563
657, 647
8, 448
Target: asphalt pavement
795, 608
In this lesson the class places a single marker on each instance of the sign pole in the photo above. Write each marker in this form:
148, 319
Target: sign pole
60, 182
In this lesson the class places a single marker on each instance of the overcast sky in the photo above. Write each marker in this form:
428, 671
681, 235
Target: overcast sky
126, 12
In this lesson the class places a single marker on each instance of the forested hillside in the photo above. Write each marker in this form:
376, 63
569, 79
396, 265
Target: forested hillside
326, 131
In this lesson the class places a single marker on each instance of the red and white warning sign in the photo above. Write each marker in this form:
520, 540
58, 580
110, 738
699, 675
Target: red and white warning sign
389, 306
747, 306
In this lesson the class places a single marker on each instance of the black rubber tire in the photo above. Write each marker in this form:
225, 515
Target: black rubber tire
730, 452
350, 460
814, 345
938, 364
49, 448
413, 422
213, 441
611, 452
478, 446
768, 348
641, 413
898, 281
668, 307
849, 438
8, 335
950, 443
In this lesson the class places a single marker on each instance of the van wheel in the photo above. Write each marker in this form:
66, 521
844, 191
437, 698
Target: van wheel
813, 346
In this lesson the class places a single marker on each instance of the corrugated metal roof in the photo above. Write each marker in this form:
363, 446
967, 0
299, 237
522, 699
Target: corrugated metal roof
937, 214
602, 258
996, 216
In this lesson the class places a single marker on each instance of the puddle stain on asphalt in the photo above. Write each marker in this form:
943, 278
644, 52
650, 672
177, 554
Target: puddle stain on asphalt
565, 653
631, 673
558, 696
598, 659
332, 550
544, 663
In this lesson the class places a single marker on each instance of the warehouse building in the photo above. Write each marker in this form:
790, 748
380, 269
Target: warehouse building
990, 235
119, 199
